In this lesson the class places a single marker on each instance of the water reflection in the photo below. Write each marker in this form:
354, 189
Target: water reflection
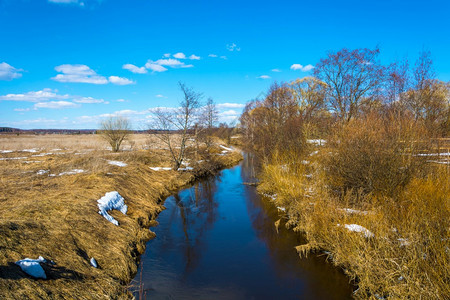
218, 240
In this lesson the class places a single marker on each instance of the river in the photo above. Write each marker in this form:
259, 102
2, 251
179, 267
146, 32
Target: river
217, 240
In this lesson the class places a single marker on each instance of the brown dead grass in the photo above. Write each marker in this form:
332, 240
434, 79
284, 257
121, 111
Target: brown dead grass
57, 216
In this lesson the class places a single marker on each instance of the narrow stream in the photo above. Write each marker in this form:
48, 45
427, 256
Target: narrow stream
217, 240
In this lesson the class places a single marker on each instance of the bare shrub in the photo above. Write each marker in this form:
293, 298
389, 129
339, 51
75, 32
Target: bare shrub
115, 130
373, 154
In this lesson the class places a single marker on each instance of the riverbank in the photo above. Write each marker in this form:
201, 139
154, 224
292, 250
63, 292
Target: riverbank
49, 192
390, 246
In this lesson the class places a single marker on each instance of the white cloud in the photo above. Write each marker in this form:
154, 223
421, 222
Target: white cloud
43, 95
161, 64
160, 96
233, 47
155, 67
179, 55
134, 69
121, 100
212, 55
78, 73
88, 100
169, 62
56, 105
22, 109
223, 57
276, 70
230, 112
166, 55
8, 72
194, 57
263, 77
230, 105
120, 80
302, 68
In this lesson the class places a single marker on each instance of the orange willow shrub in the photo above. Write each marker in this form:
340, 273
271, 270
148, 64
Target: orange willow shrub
373, 154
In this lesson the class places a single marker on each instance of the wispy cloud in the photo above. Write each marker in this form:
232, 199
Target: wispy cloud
8, 72
263, 77
43, 95
78, 73
230, 105
89, 100
84, 74
155, 67
67, 2
120, 80
233, 47
276, 70
212, 55
179, 55
302, 68
160, 96
134, 69
194, 57
56, 105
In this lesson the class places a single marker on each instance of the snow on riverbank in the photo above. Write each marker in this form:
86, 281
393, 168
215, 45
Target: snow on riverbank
358, 228
111, 200
33, 267
117, 163
160, 168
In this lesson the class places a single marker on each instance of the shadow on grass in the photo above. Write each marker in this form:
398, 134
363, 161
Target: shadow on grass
13, 271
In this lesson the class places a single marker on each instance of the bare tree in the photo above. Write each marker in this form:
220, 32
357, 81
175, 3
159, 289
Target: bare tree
350, 76
180, 120
210, 116
115, 130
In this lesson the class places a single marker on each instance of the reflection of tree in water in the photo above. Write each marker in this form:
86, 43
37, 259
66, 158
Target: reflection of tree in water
288, 265
198, 212
250, 168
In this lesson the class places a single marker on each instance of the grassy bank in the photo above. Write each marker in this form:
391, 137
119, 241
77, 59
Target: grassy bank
49, 191
392, 245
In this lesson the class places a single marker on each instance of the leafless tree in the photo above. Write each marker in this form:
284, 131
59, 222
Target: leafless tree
180, 120
115, 130
209, 118
350, 76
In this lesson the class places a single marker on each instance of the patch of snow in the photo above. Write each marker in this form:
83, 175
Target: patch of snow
93, 262
309, 176
160, 169
359, 228
41, 154
318, 142
273, 197
305, 162
42, 172
32, 267
281, 208
73, 172
111, 200
13, 158
34, 150
117, 163
313, 153
32, 161
226, 148
200, 161
224, 151
186, 169
434, 154
56, 149
6, 151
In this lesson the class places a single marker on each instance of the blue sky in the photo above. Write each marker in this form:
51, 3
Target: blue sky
69, 63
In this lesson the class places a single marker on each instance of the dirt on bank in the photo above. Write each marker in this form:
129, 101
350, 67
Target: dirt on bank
48, 207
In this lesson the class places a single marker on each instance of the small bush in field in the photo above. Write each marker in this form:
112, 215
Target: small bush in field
372, 154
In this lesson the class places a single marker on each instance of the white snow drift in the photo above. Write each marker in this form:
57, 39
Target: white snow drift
32, 267
110, 201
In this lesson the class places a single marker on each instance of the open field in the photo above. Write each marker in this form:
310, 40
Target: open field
49, 187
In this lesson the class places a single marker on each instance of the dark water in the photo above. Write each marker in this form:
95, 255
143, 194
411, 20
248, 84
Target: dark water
217, 240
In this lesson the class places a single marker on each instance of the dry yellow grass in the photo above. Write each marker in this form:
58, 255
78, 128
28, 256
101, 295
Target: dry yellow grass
57, 216
405, 254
